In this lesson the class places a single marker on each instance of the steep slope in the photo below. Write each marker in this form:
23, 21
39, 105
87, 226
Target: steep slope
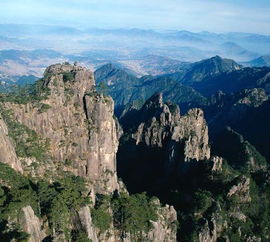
235, 51
235, 81
113, 75
127, 90
7, 150
61, 134
260, 62
73, 122
214, 198
208, 68
246, 112
240, 153
173, 91
161, 140
117, 83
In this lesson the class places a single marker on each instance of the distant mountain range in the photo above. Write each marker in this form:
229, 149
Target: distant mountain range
132, 44
126, 89
229, 93
260, 62
209, 163
209, 68
28, 49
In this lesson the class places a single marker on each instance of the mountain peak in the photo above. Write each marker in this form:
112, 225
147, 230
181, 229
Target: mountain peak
217, 57
109, 66
210, 67
62, 77
261, 61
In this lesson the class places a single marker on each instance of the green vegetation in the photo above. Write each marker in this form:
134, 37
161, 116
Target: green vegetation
68, 76
27, 142
205, 199
33, 93
57, 201
103, 88
130, 214
13, 232
80, 236
43, 107
100, 213
133, 214
202, 201
15, 193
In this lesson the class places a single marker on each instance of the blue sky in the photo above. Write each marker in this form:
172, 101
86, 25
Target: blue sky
193, 15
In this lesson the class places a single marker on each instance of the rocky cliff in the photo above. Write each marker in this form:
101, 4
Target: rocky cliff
59, 142
78, 122
213, 194
162, 141
7, 150
62, 131
191, 129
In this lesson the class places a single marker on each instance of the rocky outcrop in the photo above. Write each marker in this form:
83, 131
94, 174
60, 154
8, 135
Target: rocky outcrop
178, 136
252, 97
212, 226
83, 221
83, 136
217, 163
157, 122
165, 228
240, 154
191, 129
161, 145
78, 122
103, 141
7, 150
209, 232
241, 190
31, 225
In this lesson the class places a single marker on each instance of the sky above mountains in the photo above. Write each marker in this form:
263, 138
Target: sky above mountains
194, 15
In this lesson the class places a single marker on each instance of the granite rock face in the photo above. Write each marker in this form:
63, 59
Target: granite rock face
212, 227
193, 129
83, 221
241, 190
167, 123
216, 163
31, 224
7, 150
83, 138
167, 129
161, 145
252, 97
78, 123
165, 228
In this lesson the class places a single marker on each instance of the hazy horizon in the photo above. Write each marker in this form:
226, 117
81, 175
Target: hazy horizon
222, 16
158, 30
